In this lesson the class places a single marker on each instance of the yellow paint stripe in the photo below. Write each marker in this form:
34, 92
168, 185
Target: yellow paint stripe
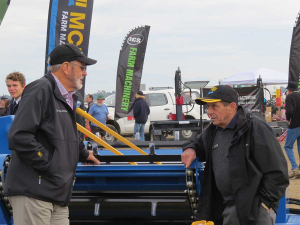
101, 142
116, 135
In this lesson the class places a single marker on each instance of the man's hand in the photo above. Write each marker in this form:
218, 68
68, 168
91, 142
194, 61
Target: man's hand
91, 157
188, 157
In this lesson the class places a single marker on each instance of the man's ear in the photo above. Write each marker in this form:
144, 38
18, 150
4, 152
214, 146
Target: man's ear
66, 68
232, 106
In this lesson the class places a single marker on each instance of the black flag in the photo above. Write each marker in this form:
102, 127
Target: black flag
130, 67
294, 67
69, 21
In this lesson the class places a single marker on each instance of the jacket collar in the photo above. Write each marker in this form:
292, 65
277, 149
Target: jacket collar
57, 92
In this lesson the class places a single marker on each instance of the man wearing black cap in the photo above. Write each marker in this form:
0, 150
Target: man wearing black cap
141, 111
292, 106
2, 105
238, 187
44, 142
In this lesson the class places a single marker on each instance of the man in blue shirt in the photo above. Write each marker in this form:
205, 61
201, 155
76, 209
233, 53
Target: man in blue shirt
100, 112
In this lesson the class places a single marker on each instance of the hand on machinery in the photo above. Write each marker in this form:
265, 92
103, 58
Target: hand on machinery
91, 157
188, 157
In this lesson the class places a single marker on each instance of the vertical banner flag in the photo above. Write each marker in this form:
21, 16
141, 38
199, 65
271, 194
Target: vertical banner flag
249, 98
130, 67
69, 21
294, 66
3, 7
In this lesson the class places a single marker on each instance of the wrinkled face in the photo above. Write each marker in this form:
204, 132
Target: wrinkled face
77, 74
100, 101
15, 88
221, 115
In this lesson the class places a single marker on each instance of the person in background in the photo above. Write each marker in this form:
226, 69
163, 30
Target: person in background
15, 83
3, 99
100, 112
44, 142
141, 112
90, 100
79, 119
246, 172
292, 107
7, 105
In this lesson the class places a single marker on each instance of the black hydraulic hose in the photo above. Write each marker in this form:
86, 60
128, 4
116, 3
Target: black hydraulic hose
292, 199
294, 211
269, 92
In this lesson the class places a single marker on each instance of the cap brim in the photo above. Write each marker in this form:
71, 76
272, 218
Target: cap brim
87, 61
203, 101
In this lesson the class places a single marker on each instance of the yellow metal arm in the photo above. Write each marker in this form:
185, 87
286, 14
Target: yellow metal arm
102, 126
101, 142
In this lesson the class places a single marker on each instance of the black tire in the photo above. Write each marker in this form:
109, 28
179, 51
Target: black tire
187, 134
154, 137
108, 137
147, 137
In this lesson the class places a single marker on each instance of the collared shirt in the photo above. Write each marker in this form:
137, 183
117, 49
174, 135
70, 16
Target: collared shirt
66, 95
18, 100
232, 123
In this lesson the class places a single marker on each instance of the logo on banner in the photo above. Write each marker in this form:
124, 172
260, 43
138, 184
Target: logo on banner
71, 2
135, 39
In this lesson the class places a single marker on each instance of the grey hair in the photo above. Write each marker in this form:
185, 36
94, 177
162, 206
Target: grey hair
53, 68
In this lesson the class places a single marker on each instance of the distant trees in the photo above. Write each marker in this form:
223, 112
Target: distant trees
104, 93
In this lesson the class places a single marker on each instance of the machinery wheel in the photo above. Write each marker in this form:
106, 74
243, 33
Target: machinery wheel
187, 134
154, 137
108, 137
148, 137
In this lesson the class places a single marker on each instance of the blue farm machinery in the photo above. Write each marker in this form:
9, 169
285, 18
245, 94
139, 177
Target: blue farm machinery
135, 184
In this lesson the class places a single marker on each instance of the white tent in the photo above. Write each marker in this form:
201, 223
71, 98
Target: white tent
250, 77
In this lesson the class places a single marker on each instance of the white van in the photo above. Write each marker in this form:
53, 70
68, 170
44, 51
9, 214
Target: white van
161, 103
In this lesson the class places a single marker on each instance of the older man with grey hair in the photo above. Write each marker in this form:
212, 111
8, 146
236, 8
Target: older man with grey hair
44, 142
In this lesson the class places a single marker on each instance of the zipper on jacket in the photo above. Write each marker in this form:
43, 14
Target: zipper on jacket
40, 179
74, 180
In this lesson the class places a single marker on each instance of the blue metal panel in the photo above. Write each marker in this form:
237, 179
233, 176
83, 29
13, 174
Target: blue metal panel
2, 158
5, 122
130, 177
282, 211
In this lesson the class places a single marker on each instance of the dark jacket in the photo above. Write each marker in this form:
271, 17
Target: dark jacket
2, 112
292, 106
11, 109
89, 106
141, 110
79, 119
44, 145
258, 170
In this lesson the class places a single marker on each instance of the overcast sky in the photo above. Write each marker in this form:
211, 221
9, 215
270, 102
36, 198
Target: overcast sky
207, 39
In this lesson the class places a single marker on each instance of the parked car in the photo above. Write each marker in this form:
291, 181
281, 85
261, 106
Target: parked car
161, 103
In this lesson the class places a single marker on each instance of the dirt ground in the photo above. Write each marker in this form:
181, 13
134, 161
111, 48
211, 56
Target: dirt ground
293, 191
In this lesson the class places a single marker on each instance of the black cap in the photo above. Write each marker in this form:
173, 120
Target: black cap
4, 98
292, 86
140, 93
219, 93
67, 53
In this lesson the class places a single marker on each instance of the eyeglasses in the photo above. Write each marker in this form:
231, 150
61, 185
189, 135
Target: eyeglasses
83, 68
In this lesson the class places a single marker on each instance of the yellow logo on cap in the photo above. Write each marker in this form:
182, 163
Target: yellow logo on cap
40, 154
214, 88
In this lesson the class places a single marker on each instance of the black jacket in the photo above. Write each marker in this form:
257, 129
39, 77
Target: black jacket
141, 110
292, 106
44, 145
258, 170
11, 109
